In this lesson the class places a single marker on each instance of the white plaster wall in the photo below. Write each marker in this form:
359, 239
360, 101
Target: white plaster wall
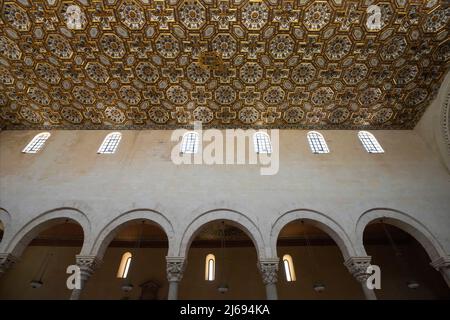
432, 127
339, 189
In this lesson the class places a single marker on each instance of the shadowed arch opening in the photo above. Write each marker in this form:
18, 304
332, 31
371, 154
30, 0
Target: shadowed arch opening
319, 269
45, 253
2, 228
406, 272
133, 255
222, 264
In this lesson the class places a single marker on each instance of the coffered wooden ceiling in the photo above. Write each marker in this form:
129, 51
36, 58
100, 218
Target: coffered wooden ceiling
280, 64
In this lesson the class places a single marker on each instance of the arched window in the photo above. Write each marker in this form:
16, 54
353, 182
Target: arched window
289, 268
37, 143
369, 142
190, 141
262, 144
210, 267
110, 143
317, 142
124, 266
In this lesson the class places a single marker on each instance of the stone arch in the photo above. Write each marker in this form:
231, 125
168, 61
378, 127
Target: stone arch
406, 223
20, 240
5, 220
317, 219
108, 233
235, 218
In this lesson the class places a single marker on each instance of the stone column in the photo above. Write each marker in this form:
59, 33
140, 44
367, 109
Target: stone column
87, 264
175, 269
358, 268
269, 273
7, 260
442, 265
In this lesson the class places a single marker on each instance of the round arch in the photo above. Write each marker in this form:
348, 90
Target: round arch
317, 219
235, 218
108, 233
29, 231
5, 220
404, 222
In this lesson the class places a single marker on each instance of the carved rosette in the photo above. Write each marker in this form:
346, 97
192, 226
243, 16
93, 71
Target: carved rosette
7, 260
358, 267
87, 264
175, 268
269, 270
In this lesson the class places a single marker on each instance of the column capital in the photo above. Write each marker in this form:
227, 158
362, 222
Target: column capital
441, 263
357, 266
269, 270
175, 268
87, 264
7, 260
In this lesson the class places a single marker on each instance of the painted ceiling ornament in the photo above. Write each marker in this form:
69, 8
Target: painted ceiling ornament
182, 115
322, 96
161, 14
293, 115
248, 115
255, 15
253, 46
303, 73
167, 46
225, 94
5, 77
102, 16
406, 74
203, 114
131, 15
72, 115
177, 95
317, 16
338, 47
97, 72
112, 45
200, 95
59, 46
251, 72
286, 15
383, 115
48, 73
158, 115
9, 49
393, 48
74, 17
416, 97
197, 74
226, 115
224, 15
115, 115
129, 95
30, 115
225, 44
83, 95
339, 115
38, 96
192, 14
147, 72
172, 72
281, 46
274, 95
16, 17
437, 19
370, 96
270, 115
355, 74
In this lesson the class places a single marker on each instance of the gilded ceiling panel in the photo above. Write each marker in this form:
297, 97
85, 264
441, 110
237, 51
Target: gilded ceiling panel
228, 63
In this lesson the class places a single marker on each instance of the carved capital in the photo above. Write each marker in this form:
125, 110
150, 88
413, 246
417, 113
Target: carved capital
269, 270
441, 263
7, 260
87, 264
357, 266
175, 268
